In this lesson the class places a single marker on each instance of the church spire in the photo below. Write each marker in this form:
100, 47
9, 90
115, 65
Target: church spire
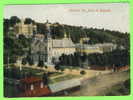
47, 21
22, 21
65, 34
48, 29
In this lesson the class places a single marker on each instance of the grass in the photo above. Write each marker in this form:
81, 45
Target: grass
10, 90
56, 74
32, 70
63, 78
37, 72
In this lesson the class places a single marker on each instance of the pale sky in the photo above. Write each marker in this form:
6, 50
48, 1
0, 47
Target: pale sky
112, 16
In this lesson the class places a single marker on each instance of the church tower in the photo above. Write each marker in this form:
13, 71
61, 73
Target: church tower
48, 44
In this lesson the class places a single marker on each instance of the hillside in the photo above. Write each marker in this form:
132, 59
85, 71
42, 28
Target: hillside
16, 47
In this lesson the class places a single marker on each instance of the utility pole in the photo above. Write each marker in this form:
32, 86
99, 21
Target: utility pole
8, 62
20, 67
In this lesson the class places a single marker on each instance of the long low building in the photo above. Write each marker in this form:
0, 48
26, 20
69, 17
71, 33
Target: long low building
96, 48
64, 85
34, 87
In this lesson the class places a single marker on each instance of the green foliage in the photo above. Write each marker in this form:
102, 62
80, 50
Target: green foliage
46, 66
70, 60
40, 63
14, 20
57, 67
29, 21
13, 73
45, 79
41, 28
117, 57
6, 25
15, 47
24, 61
82, 72
57, 31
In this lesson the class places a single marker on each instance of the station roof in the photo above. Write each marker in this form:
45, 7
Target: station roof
63, 85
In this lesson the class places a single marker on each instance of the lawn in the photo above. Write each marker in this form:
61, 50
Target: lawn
63, 78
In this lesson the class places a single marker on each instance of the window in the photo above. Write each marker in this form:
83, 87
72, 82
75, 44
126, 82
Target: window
45, 48
45, 59
41, 85
31, 87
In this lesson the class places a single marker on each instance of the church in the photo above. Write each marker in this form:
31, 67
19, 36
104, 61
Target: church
44, 48
47, 50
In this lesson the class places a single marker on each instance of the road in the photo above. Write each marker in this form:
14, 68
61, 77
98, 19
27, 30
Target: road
89, 73
96, 85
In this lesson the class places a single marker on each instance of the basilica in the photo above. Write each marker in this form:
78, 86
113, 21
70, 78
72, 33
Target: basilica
44, 48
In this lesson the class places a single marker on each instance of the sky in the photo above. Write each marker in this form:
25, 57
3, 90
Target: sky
112, 16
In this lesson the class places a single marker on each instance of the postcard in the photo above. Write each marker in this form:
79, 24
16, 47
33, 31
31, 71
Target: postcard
55, 50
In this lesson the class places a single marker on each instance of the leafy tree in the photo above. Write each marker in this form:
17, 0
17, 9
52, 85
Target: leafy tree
41, 28
57, 66
41, 63
14, 20
46, 66
24, 61
57, 31
29, 21
6, 26
45, 79
82, 72
29, 60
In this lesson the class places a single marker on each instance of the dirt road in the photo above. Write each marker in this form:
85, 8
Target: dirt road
98, 84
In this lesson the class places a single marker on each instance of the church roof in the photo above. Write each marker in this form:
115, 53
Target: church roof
63, 43
40, 45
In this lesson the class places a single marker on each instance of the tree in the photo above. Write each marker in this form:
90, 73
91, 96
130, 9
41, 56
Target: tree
24, 61
82, 72
41, 63
30, 61
29, 21
14, 20
57, 66
6, 26
30, 74
45, 79
62, 69
57, 31
41, 28
46, 66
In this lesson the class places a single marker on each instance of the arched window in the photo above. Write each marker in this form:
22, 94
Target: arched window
41, 85
31, 87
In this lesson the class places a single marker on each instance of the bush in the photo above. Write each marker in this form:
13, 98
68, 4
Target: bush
82, 72
24, 61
